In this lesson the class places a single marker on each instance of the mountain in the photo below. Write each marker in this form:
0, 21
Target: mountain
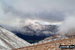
9, 40
33, 31
33, 27
37, 28
36, 32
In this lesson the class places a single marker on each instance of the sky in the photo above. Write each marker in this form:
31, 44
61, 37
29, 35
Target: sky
12, 11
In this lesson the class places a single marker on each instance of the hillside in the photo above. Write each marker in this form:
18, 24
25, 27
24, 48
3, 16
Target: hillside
9, 40
53, 45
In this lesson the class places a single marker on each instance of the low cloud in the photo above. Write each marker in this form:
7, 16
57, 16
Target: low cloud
68, 26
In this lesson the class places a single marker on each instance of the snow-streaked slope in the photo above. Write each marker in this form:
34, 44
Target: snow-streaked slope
9, 40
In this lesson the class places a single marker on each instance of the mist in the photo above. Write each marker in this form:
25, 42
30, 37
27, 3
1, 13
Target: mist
68, 26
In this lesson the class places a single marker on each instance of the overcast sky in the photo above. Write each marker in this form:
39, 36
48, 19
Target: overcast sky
47, 10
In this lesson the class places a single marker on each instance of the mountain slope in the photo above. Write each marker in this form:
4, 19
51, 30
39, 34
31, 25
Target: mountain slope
9, 40
52, 45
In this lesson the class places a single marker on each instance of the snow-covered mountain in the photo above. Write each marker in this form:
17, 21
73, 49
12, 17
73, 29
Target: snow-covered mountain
37, 28
9, 40
31, 27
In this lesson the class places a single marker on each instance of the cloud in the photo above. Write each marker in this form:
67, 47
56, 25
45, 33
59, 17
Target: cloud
48, 10
68, 26
14, 11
